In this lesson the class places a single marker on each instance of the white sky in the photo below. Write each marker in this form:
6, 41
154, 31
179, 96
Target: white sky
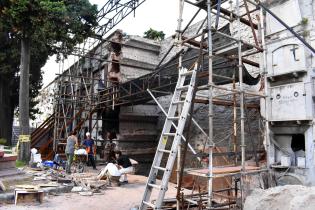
160, 15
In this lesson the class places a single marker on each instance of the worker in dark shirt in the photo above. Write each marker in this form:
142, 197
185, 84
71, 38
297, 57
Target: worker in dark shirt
125, 166
110, 155
89, 145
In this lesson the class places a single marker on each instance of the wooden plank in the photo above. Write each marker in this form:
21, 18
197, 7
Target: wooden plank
225, 170
27, 196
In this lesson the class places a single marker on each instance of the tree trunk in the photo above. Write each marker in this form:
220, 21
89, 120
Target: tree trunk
24, 151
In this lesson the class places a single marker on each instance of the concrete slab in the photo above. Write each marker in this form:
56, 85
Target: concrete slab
7, 161
9, 172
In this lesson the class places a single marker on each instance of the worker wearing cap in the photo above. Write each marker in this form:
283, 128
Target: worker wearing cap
89, 145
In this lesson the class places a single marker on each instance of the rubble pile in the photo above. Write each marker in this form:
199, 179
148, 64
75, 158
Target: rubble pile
289, 197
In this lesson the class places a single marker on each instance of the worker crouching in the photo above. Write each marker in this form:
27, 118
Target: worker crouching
125, 166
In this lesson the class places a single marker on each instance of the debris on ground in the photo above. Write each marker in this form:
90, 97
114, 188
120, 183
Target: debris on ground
89, 193
289, 197
2, 186
130, 195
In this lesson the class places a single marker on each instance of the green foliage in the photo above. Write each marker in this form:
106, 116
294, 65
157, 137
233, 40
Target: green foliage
53, 26
3, 141
306, 33
304, 21
20, 164
153, 34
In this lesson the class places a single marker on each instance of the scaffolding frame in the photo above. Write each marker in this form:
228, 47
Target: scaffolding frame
74, 102
205, 200
75, 98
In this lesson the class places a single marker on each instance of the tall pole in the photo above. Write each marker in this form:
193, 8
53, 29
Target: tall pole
263, 71
179, 44
240, 73
210, 83
24, 151
234, 121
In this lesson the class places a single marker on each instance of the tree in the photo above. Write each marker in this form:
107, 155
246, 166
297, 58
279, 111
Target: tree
9, 78
60, 25
153, 34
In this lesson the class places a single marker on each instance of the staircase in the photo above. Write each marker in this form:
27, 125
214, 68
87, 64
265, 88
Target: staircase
42, 138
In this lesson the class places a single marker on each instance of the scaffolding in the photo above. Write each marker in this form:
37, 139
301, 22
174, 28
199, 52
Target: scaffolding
76, 88
75, 100
237, 51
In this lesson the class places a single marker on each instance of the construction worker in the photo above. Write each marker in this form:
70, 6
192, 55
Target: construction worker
112, 174
125, 166
109, 151
90, 148
72, 140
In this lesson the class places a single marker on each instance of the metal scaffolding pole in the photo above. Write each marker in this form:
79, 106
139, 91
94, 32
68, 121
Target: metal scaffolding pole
179, 41
263, 71
210, 83
240, 72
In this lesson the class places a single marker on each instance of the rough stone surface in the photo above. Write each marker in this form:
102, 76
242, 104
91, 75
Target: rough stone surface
290, 197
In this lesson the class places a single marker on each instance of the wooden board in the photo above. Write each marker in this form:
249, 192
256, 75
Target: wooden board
27, 187
226, 169
25, 196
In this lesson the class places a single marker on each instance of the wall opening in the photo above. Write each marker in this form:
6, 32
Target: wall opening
298, 142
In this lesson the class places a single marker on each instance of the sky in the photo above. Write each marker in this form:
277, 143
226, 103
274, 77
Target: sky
160, 15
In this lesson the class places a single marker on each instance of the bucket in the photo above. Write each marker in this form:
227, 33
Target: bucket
301, 162
48, 163
285, 161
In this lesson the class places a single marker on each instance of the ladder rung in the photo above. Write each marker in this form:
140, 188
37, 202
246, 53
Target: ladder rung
169, 134
178, 102
186, 73
185, 87
155, 186
164, 150
173, 118
159, 168
149, 204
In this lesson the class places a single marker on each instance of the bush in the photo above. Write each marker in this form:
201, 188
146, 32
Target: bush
3, 141
19, 163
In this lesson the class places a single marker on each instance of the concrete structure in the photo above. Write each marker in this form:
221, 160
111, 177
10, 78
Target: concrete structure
290, 92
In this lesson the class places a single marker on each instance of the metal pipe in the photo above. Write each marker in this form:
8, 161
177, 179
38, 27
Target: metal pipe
210, 82
203, 87
263, 72
251, 23
191, 20
179, 41
218, 13
234, 121
240, 73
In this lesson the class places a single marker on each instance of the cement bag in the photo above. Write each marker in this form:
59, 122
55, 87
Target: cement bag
37, 158
80, 152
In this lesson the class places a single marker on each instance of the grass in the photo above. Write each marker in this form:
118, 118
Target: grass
19, 163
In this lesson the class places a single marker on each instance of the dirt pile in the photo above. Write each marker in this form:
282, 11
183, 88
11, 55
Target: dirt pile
290, 197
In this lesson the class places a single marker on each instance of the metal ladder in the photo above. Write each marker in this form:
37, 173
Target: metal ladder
166, 136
